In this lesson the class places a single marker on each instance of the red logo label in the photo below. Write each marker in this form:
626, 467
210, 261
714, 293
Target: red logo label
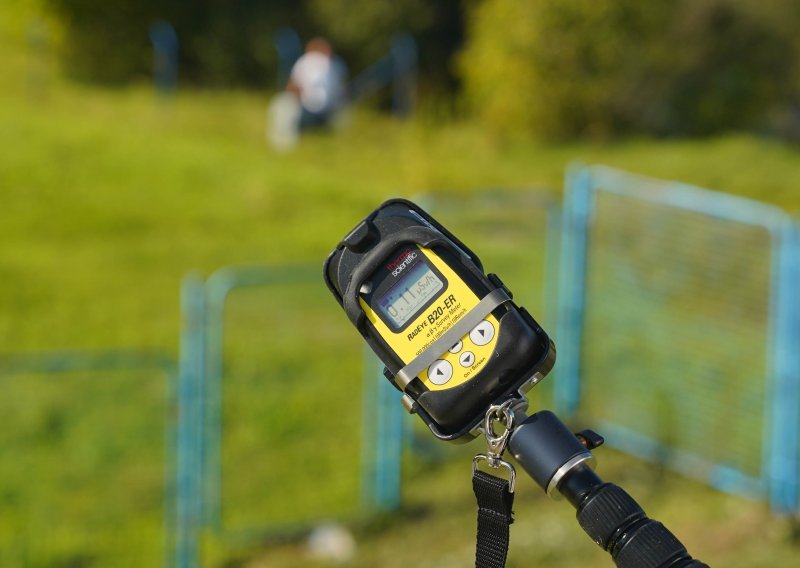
399, 259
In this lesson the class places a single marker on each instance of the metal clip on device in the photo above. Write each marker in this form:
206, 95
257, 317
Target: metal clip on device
497, 443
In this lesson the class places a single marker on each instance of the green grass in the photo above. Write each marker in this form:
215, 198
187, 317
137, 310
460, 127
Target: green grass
82, 476
106, 191
437, 525
109, 197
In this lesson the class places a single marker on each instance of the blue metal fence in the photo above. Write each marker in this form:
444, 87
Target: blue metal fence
189, 460
517, 231
206, 324
679, 322
217, 290
678, 327
382, 438
71, 377
594, 268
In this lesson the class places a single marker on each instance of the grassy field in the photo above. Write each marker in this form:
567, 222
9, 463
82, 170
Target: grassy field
108, 197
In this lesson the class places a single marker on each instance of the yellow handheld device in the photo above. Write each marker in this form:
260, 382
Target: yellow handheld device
451, 337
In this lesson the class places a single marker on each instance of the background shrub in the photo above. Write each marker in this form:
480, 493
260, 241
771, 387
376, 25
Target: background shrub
563, 68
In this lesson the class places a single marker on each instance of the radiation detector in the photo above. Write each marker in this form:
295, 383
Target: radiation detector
451, 337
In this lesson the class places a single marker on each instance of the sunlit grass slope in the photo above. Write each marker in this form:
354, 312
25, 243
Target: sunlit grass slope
109, 197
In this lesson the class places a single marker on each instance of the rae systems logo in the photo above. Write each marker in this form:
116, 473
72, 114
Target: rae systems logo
399, 264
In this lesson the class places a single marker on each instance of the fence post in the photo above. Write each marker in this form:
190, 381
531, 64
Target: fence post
404, 82
552, 241
289, 48
577, 214
382, 438
389, 446
165, 57
782, 435
188, 499
216, 290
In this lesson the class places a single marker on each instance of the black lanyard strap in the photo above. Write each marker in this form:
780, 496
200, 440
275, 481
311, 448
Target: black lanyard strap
494, 517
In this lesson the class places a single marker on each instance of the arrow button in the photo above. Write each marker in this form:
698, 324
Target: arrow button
482, 333
466, 359
440, 372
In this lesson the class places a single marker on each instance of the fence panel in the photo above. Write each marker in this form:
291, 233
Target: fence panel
282, 406
290, 408
85, 466
673, 324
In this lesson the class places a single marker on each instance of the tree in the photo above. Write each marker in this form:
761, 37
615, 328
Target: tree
564, 68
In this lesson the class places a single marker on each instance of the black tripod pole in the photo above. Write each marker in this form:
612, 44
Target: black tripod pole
559, 463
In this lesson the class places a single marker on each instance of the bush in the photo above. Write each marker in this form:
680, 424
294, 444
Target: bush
221, 43
105, 41
231, 43
564, 68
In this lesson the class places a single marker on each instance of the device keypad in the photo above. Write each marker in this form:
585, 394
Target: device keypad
468, 355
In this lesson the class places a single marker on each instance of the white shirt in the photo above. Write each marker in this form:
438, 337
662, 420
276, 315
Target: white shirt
320, 80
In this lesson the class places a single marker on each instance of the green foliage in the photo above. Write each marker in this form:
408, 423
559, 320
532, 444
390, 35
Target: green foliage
221, 43
362, 30
231, 43
366, 25
563, 68
555, 68
731, 68
103, 40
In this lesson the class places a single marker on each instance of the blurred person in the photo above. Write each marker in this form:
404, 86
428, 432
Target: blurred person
314, 96
318, 79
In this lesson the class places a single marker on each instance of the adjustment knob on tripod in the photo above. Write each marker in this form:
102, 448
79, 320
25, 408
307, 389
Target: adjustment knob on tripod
590, 439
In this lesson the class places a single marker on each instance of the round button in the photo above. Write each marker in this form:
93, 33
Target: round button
440, 372
482, 333
467, 358
456, 348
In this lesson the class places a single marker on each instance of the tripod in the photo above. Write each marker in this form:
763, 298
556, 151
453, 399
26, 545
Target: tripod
558, 461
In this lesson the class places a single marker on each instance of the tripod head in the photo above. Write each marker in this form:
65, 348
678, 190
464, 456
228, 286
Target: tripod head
559, 462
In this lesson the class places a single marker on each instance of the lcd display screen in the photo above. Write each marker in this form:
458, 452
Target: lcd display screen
411, 293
